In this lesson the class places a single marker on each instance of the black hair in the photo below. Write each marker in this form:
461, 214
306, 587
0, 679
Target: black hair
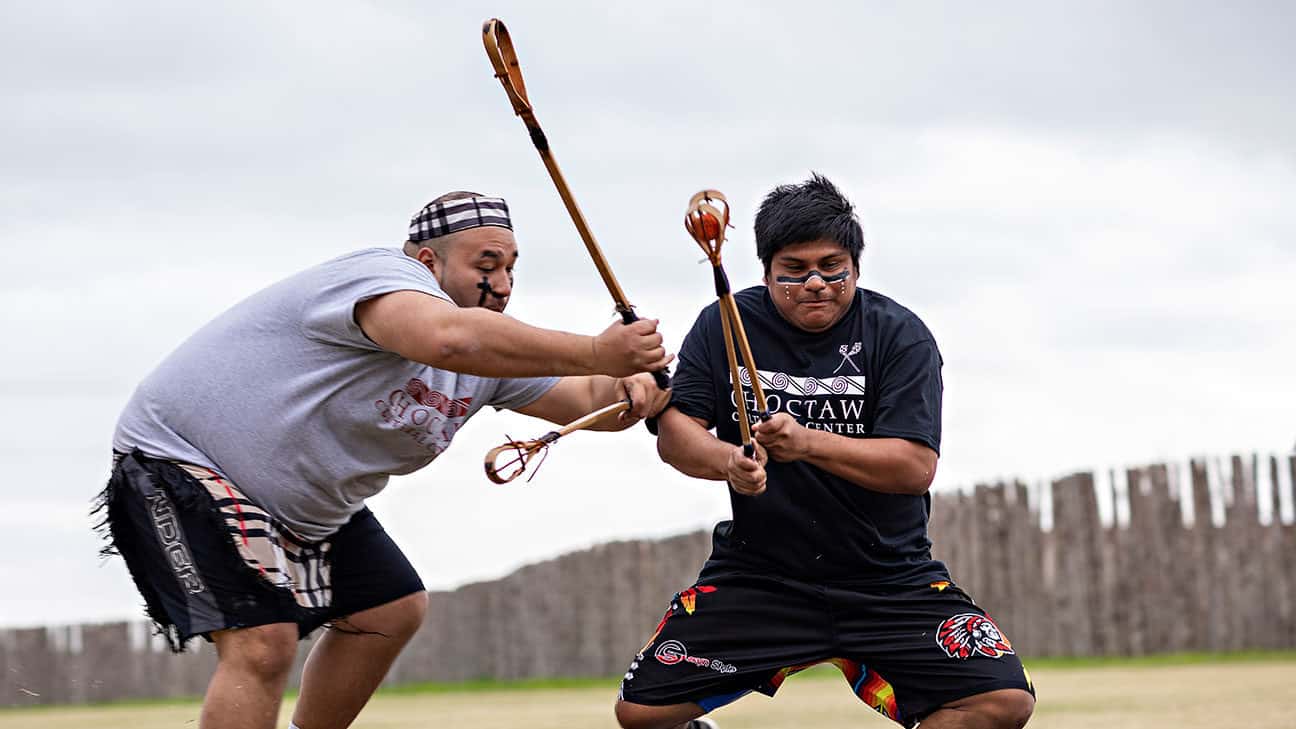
809, 211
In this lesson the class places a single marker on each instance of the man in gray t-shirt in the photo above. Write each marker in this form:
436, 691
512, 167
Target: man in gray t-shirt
242, 463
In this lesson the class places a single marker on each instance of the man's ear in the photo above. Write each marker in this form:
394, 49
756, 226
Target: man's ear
429, 258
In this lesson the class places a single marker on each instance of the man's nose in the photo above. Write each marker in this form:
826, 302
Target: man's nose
502, 284
814, 281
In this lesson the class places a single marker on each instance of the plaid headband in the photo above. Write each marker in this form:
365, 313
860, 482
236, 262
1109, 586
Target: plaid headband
443, 218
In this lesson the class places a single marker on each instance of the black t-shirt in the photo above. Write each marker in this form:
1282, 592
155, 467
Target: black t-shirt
874, 374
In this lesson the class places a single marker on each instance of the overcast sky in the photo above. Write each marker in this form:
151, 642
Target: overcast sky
1090, 205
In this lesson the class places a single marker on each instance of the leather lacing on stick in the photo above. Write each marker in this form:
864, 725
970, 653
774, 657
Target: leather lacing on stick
523, 451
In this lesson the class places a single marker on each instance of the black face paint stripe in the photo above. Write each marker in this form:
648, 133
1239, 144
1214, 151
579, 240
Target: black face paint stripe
485, 287
799, 280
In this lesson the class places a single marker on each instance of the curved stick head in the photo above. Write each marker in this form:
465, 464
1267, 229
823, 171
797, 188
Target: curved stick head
521, 452
706, 219
499, 47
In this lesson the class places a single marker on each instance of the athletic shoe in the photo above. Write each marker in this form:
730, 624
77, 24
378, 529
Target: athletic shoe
703, 724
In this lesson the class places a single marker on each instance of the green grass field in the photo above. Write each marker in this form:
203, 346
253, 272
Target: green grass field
1179, 692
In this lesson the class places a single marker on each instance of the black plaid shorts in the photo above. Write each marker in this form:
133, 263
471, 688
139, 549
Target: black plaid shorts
206, 558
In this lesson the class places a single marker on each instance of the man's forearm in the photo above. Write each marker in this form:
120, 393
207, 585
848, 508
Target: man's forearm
691, 449
487, 344
605, 391
888, 465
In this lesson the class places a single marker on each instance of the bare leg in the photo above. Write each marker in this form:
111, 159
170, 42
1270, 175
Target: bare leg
345, 668
639, 716
251, 671
1002, 709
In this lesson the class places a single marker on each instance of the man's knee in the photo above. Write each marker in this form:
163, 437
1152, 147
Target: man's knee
639, 716
399, 619
632, 716
1002, 709
411, 610
264, 651
1015, 708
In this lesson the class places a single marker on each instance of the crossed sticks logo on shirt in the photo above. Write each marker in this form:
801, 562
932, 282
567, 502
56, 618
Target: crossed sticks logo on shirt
848, 353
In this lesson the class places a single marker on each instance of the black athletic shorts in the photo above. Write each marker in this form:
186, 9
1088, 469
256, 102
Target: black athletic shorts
905, 650
181, 544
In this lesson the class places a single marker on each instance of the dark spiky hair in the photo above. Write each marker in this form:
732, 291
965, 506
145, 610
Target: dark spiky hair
809, 211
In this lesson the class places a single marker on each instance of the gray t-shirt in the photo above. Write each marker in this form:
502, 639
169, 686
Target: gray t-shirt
284, 395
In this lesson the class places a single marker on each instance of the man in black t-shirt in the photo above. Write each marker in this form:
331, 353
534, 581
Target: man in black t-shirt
827, 557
